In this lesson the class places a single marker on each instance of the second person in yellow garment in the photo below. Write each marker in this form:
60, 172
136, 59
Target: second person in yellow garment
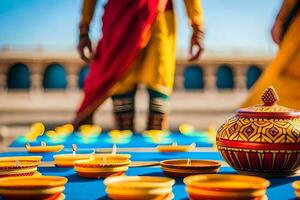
154, 67
284, 71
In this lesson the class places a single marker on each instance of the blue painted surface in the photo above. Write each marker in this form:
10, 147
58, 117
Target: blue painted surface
95, 189
82, 75
253, 74
193, 77
79, 188
55, 77
135, 156
82, 188
18, 77
105, 141
225, 77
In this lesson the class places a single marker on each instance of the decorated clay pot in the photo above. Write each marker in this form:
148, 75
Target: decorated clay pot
262, 140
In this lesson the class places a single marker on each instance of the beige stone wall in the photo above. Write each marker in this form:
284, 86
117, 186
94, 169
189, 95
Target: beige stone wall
199, 108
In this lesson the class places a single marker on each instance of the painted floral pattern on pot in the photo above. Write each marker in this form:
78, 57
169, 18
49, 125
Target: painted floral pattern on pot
262, 140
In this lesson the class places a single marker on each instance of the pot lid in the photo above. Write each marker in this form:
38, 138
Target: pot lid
269, 108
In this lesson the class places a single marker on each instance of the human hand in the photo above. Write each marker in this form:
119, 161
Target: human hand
196, 42
276, 31
85, 42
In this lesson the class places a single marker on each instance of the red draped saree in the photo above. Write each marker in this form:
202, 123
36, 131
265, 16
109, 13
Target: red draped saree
123, 36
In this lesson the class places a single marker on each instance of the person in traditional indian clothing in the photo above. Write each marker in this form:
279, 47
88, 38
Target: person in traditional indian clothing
283, 73
138, 46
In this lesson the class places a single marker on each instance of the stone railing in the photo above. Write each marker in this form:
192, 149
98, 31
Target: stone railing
57, 106
210, 66
37, 64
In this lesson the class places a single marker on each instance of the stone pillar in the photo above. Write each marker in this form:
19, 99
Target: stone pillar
36, 76
240, 79
3, 77
210, 79
179, 77
72, 70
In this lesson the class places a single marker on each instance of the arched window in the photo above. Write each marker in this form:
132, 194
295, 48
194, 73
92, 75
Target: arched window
253, 74
82, 74
18, 77
225, 78
55, 77
193, 77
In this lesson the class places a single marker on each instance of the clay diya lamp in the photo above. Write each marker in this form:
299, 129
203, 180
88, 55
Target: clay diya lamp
17, 168
90, 130
186, 129
262, 140
157, 136
69, 128
103, 165
51, 133
176, 148
120, 133
120, 136
223, 186
36, 130
67, 160
61, 131
187, 167
38, 188
156, 133
43, 148
296, 186
22, 158
139, 187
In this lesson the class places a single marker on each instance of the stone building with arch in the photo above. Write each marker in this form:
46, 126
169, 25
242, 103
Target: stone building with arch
45, 86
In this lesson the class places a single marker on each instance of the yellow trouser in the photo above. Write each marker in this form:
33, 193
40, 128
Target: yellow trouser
284, 71
155, 66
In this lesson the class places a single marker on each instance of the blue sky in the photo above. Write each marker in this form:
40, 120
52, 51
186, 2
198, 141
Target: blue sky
231, 25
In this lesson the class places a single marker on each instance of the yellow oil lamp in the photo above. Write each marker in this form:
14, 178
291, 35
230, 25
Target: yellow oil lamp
157, 136
90, 130
67, 160
176, 148
21, 158
51, 134
120, 133
37, 129
120, 136
186, 167
296, 186
186, 129
15, 167
156, 133
103, 165
64, 130
225, 186
69, 128
139, 187
43, 148
39, 187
